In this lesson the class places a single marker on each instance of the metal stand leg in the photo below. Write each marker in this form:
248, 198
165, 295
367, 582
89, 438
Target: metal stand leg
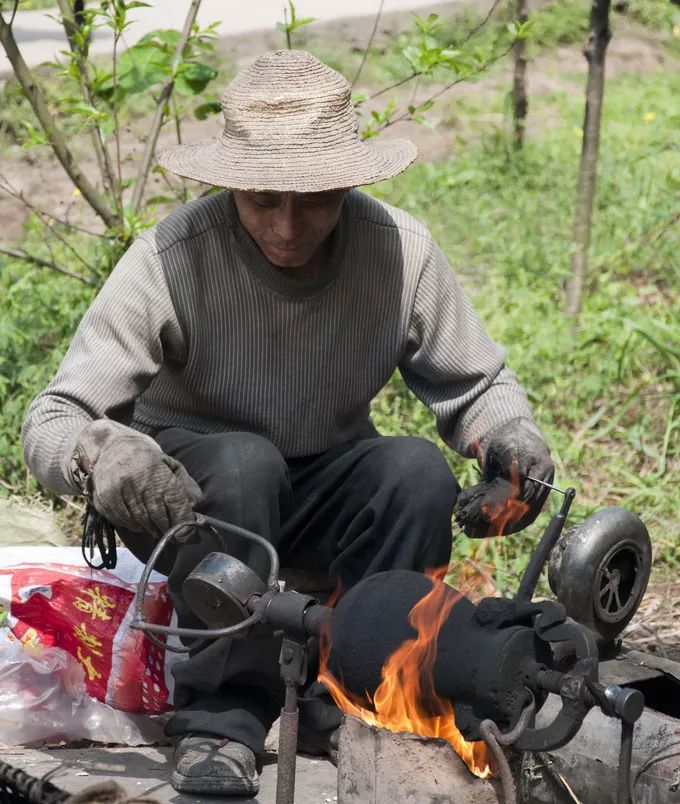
293, 672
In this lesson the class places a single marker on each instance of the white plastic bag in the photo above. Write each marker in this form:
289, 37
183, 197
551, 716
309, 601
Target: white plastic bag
43, 699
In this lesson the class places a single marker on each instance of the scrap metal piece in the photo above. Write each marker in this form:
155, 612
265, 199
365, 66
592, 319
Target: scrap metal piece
589, 764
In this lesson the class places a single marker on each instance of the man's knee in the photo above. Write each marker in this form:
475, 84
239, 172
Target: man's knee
227, 460
247, 459
420, 472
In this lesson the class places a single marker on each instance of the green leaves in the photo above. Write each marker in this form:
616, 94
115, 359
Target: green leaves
426, 52
192, 78
151, 62
34, 136
289, 27
431, 57
116, 14
204, 111
379, 119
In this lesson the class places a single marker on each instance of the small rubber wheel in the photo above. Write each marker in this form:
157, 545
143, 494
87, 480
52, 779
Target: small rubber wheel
599, 570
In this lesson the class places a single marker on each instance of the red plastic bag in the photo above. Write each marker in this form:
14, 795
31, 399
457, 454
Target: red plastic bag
87, 614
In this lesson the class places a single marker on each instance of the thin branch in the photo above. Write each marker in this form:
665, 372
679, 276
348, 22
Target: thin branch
48, 225
56, 138
180, 193
176, 120
598, 40
101, 152
480, 25
416, 73
114, 100
648, 237
520, 99
7, 188
14, 13
157, 121
392, 86
285, 22
406, 115
369, 43
416, 84
22, 255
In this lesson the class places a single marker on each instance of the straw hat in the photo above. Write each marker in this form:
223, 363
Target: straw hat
289, 126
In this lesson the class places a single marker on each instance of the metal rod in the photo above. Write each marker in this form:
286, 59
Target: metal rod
547, 485
148, 568
532, 573
200, 633
287, 759
625, 758
494, 739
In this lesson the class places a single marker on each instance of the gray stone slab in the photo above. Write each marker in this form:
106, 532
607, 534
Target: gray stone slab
146, 772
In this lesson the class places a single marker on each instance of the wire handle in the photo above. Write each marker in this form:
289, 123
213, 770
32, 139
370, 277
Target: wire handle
184, 528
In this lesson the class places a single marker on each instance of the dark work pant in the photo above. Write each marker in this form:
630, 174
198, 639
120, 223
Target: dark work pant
367, 506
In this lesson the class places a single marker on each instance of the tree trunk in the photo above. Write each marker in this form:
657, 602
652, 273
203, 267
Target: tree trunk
598, 39
520, 100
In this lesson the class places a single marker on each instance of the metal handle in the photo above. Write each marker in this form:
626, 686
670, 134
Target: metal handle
139, 620
532, 573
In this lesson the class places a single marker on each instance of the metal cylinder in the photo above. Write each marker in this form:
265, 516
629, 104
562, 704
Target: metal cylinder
480, 668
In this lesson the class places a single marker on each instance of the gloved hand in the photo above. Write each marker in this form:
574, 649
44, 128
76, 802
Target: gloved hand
130, 480
506, 501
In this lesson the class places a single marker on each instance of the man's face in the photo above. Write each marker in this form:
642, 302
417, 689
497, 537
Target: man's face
289, 228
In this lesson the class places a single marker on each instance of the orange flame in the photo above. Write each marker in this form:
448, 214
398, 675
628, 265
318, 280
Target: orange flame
508, 511
406, 691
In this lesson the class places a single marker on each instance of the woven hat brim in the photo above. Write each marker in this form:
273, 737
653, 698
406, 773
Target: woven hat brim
282, 170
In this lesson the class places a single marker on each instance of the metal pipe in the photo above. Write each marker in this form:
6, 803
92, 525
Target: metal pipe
288, 733
315, 619
532, 573
625, 758
494, 739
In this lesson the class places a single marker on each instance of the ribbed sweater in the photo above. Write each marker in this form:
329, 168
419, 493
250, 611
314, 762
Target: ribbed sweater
196, 329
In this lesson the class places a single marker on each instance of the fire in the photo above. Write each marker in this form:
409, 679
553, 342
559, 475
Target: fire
406, 698
506, 512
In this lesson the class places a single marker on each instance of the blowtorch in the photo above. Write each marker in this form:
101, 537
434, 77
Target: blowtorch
496, 661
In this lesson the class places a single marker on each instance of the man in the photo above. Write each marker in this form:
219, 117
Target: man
227, 367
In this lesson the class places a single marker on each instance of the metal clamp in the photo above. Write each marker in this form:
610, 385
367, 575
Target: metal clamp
572, 687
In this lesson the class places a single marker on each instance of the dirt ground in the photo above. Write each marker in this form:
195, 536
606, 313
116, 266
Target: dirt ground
41, 180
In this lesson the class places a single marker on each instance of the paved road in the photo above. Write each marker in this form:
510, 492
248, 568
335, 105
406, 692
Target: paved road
41, 37
146, 772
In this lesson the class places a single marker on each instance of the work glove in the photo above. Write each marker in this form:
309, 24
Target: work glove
130, 480
506, 501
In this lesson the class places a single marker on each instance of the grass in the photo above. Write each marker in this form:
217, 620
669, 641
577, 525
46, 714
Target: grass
607, 391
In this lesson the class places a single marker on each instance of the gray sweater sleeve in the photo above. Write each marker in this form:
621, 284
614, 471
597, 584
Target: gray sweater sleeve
452, 365
117, 350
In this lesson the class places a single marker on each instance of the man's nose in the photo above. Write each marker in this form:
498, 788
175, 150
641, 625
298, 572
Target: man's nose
286, 223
